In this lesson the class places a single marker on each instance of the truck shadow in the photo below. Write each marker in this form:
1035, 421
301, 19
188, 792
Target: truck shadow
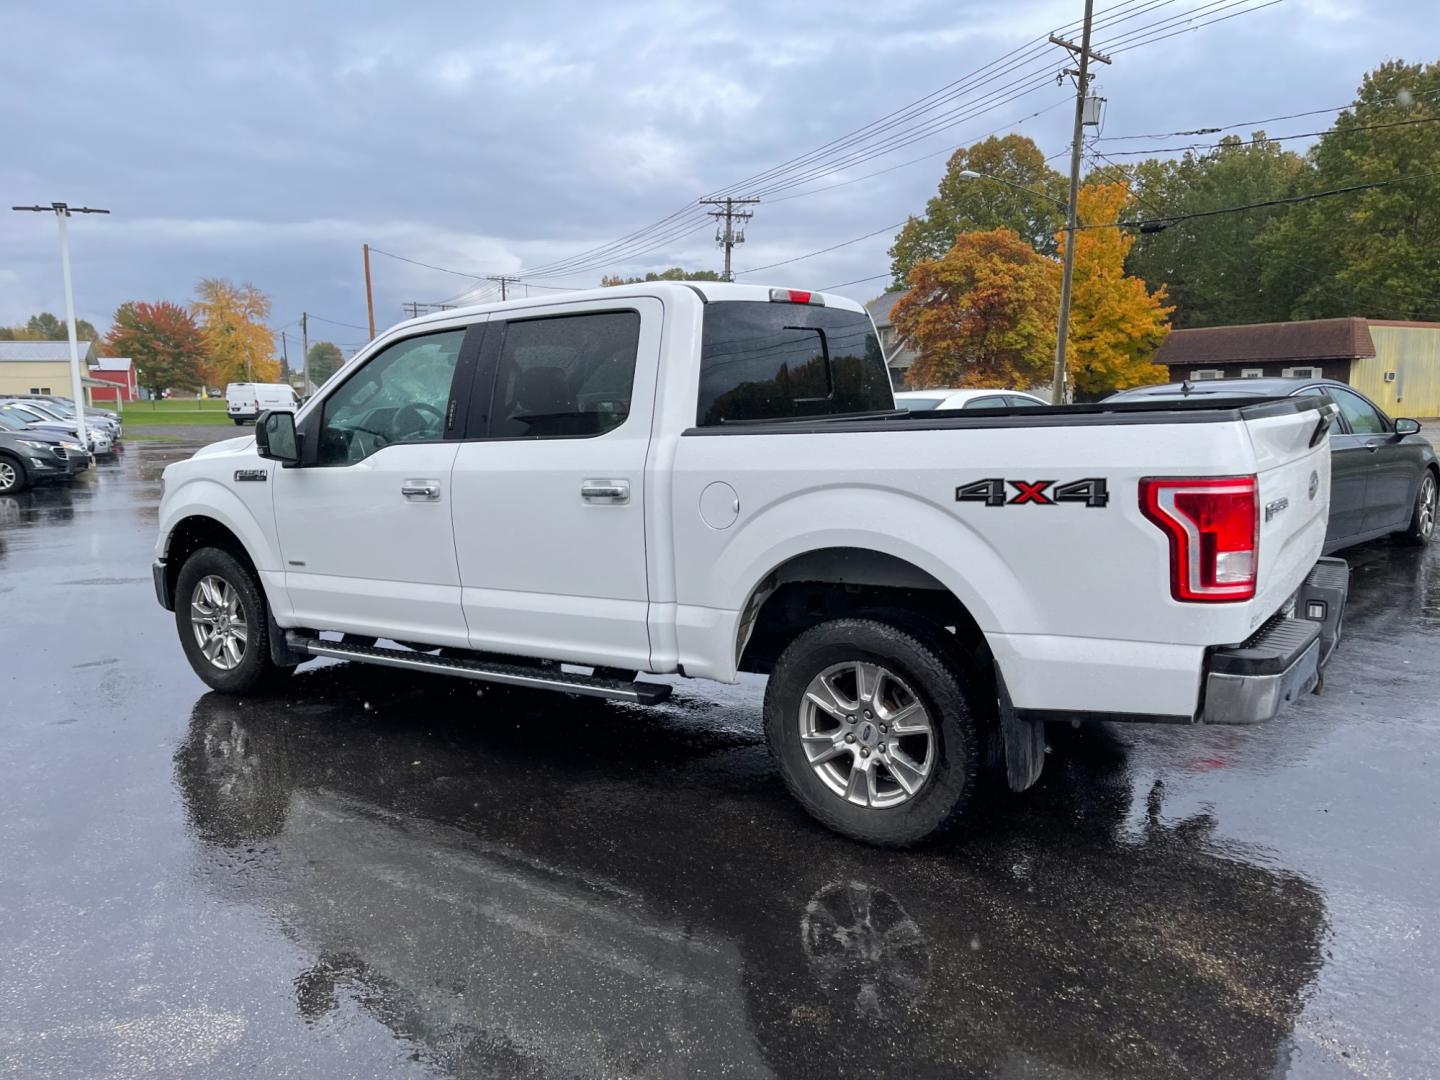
527, 885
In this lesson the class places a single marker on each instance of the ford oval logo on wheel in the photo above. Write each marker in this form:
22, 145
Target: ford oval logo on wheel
1314, 483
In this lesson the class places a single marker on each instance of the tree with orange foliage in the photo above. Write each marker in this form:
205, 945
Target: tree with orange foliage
1116, 324
983, 315
163, 341
239, 346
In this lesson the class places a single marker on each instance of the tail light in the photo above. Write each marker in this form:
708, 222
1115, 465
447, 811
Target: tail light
1214, 528
795, 296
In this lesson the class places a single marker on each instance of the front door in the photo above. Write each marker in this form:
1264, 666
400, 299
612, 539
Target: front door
549, 487
364, 523
1391, 478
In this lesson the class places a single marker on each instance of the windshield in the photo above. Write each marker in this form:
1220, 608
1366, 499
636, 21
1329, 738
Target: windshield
9, 424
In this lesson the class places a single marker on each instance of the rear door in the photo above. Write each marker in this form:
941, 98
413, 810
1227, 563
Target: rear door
549, 485
1392, 466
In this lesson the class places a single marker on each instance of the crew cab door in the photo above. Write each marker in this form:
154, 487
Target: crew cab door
364, 521
549, 495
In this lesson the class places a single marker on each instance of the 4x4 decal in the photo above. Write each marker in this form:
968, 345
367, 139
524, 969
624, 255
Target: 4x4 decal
1091, 491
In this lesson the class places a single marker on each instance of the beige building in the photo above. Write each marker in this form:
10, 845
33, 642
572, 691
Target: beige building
1395, 364
43, 367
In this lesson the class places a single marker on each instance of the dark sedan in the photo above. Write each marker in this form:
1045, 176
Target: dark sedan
33, 456
1383, 478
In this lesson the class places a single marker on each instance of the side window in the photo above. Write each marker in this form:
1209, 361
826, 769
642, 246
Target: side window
566, 376
992, 401
1364, 418
1019, 402
399, 396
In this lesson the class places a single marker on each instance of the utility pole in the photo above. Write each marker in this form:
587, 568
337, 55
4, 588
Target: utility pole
62, 213
369, 295
285, 354
305, 347
726, 236
1082, 84
503, 280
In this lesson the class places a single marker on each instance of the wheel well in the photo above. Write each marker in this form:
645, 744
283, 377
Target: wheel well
193, 533
835, 582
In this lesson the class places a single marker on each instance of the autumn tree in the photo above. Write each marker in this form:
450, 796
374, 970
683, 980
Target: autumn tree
1116, 322
239, 346
163, 340
325, 359
970, 204
983, 315
674, 273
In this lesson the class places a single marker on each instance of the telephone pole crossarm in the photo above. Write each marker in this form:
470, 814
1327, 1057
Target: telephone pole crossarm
727, 236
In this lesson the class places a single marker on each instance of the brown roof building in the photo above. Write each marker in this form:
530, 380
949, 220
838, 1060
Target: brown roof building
1395, 364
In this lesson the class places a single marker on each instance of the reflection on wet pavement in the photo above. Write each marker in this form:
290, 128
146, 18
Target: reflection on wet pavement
384, 875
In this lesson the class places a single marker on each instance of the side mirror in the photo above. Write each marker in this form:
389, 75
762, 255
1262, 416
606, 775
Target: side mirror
275, 437
1405, 426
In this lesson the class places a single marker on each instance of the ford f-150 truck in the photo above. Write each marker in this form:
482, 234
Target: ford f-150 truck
700, 479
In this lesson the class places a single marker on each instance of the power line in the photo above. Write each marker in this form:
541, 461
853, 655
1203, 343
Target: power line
335, 322
856, 281
1278, 138
822, 251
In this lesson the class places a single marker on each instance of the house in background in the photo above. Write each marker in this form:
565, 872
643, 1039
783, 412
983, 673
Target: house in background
898, 358
119, 372
43, 367
1395, 364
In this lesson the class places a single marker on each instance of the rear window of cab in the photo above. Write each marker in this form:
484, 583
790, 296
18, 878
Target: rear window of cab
776, 361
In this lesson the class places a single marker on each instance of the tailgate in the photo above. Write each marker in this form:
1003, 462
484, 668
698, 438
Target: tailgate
1292, 462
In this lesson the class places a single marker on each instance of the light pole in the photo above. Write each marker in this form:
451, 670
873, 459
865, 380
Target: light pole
62, 214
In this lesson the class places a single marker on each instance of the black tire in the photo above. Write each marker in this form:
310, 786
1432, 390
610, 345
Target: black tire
255, 671
13, 478
238, 422
1423, 526
928, 671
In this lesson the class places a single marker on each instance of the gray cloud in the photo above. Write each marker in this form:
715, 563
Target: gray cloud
268, 142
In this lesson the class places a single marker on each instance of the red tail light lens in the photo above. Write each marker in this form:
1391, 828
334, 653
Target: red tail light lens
1214, 528
795, 296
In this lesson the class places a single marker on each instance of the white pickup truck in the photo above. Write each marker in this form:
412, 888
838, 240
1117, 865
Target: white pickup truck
700, 479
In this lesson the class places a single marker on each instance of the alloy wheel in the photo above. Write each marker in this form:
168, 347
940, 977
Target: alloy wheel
217, 618
866, 734
8, 476
1428, 498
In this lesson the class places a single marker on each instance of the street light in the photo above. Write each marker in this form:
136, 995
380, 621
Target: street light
62, 213
971, 174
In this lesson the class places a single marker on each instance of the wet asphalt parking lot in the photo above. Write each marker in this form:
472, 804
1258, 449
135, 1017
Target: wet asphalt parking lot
380, 875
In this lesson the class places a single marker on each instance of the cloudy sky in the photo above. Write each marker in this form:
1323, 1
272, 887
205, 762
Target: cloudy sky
265, 142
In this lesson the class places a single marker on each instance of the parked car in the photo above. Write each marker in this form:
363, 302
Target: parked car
245, 401
707, 478
64, 408
34, 414
1384, 477
31, 456
924, 400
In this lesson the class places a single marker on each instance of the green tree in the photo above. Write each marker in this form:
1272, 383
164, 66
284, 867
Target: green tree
976, 204
163, 340
325, 359
47, 327
1213, 268
1373, 252
675, 273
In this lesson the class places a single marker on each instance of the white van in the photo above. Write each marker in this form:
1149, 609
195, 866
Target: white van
244, 401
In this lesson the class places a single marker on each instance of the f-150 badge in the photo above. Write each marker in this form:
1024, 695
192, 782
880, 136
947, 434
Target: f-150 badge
1090, 492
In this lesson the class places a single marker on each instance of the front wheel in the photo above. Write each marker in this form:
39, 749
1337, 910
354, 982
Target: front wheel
12, 475
873, 731
1423, 520
221, 615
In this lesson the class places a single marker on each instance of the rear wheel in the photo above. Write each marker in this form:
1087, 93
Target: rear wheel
872, 729
223, 622
12, 475
1427, 510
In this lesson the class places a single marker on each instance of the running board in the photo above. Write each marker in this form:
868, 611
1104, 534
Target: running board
642, 693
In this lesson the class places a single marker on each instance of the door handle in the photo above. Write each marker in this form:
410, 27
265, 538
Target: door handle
605, 491
421, 489
1372, 446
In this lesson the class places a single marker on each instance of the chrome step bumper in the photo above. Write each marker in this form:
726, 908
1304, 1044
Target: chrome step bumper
641, 693
1254, 681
